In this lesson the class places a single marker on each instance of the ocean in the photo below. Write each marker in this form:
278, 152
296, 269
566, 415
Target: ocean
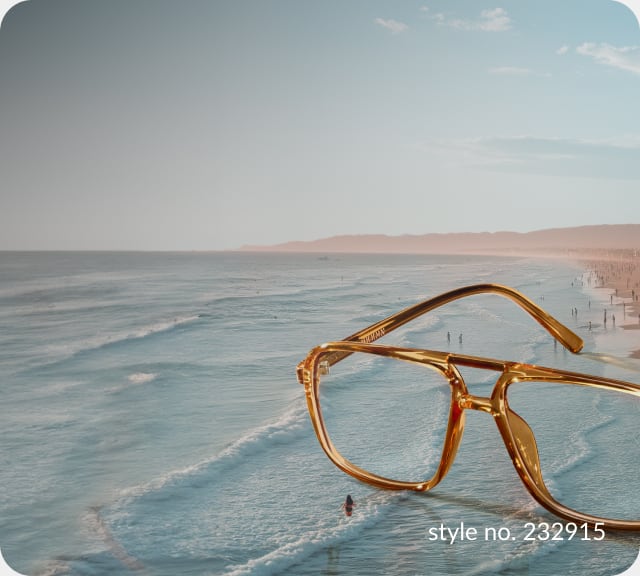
152, 422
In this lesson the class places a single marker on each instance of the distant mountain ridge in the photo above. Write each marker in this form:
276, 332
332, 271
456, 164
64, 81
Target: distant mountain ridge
553, 241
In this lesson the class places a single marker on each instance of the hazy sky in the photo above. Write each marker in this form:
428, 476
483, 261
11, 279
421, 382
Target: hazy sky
205, 124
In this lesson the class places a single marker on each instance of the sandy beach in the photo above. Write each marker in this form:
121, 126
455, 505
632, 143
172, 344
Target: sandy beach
619, 270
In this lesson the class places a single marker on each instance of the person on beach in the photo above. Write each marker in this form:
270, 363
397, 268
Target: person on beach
348, 505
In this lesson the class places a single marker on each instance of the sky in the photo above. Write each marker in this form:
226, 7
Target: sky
210, 125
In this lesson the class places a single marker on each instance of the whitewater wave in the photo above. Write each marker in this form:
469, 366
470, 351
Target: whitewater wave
61, 352
292, 552
285, 429
141, 377
289, 427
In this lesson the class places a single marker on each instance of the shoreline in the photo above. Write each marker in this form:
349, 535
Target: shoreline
619, 272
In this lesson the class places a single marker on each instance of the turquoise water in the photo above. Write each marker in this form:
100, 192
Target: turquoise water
152, 422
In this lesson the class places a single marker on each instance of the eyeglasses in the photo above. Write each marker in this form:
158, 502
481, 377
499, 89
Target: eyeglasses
573, 438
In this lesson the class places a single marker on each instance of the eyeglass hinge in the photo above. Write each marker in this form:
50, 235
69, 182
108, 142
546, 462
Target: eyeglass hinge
304, 376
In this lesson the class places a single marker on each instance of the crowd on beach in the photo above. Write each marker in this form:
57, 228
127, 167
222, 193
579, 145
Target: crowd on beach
620, 272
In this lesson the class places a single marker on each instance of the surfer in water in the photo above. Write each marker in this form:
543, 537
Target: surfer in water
348, 505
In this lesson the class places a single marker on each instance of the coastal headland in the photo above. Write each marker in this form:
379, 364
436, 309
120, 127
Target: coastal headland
581, 241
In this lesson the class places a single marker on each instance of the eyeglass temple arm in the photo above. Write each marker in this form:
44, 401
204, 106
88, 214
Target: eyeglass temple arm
559, 331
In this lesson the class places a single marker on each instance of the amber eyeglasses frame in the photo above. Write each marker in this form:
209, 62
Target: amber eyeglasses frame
516, 433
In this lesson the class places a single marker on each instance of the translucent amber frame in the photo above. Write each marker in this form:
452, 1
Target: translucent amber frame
516, 433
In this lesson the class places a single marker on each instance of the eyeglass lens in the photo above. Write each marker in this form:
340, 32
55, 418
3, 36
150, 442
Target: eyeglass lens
586, 437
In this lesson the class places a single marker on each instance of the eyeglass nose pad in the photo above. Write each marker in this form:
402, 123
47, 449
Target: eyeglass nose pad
526, 447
